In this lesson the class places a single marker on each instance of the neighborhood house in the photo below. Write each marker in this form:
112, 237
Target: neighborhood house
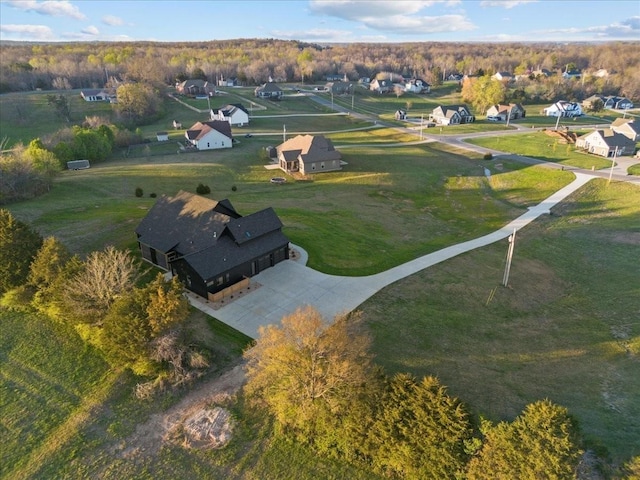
210, 135
269, 90
563, 109
606, 143
234, 113
95, 95
196, 87
308, 154
207, 244
451, 115
512, 111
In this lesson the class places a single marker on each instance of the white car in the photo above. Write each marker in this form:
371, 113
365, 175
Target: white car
493, 118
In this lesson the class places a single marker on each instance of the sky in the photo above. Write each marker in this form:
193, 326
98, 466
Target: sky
321, 21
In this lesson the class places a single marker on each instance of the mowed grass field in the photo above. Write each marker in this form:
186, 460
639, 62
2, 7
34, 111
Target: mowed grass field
566, 328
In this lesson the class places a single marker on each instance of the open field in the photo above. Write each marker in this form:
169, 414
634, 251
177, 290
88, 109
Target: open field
428, 197
567, 327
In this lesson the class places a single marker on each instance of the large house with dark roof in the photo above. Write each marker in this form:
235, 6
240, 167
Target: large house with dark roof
606, 143
233, 113
308, 154
207, 243
210, 135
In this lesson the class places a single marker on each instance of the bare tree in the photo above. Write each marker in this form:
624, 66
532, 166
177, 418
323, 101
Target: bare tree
107, 275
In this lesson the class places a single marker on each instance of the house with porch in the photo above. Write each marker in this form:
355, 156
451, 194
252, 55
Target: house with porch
338, 87
308, 154
451, 115
269, 90
381, 86
207, 244
233, 113
512, 111
417, 85
606, 143
563, 109
210, 135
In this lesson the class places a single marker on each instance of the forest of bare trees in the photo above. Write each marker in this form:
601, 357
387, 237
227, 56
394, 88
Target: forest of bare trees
30, 66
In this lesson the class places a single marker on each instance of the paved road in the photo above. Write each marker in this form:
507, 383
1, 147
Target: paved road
280, 290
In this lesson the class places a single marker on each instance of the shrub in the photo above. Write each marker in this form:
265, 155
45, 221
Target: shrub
153, 195
139, 192
202, 189
234, 188
488, 156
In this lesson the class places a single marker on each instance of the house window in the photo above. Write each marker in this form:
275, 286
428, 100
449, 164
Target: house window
322, 165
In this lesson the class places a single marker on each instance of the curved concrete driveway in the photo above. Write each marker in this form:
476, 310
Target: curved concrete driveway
291, 284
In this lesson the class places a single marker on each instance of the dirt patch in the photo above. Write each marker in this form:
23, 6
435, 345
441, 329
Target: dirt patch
161, 428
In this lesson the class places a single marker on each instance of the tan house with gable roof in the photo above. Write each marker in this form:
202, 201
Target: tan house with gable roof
308, 154
627, 127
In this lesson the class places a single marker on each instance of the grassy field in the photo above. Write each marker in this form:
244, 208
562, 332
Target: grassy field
566, 328
543, 147
427, 196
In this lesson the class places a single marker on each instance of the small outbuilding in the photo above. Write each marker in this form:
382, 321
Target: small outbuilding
162, 136
78, 164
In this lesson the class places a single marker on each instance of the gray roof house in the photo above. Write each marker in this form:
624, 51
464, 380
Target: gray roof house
269, 90
207, 243
451, 115
606, 143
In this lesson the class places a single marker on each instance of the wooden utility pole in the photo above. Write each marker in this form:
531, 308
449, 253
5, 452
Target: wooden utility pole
507, 270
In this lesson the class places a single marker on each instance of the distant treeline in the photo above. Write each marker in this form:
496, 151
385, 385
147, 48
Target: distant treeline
29, 66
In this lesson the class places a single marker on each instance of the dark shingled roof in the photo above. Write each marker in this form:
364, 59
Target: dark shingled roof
211, 236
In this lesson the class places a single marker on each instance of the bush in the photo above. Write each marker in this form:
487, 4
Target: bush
203, 189
234, 188
153, 195
139, 192
488, 156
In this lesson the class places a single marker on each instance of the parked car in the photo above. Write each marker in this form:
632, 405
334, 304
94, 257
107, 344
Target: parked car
493, 118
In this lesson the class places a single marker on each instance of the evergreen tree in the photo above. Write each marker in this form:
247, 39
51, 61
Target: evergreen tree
19, 244
540, 443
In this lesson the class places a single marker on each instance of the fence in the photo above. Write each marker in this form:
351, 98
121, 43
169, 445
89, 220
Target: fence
229, 291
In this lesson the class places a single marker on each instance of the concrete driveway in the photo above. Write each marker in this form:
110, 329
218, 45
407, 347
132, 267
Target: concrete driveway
280, 290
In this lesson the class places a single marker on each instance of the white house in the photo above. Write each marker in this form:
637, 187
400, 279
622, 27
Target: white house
606, 143
95, 95
451, 115
563, 109
417, 85
234, 113
210, 135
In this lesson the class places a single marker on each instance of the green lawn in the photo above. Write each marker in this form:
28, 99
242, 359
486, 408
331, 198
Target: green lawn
544, 147
427, 196
566, 328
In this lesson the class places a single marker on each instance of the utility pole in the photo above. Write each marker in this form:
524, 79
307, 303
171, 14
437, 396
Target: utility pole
284, 133
421, 123
613, 163
507, 270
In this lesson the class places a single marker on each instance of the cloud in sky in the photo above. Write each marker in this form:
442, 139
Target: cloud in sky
505, 3
91, 30
54, 8
35, 32
112, 20
316, 34
628, 28
401, 16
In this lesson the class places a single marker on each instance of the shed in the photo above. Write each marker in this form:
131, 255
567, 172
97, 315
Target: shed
78, 164
162, 136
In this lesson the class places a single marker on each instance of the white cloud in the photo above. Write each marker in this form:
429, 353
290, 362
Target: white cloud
505, 3
54, 8
628, 28
91, 30
400, 16
112, 20
26, 32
